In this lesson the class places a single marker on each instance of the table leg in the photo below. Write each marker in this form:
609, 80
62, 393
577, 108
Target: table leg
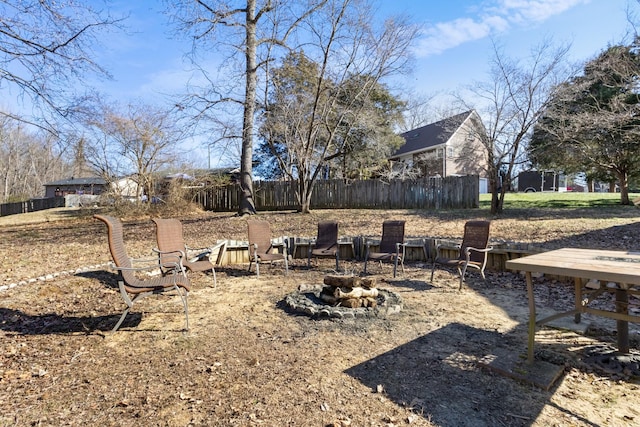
622, 306
532, 317
578, 303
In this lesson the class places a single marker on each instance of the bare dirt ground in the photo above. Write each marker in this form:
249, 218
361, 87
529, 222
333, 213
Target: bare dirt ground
248, 362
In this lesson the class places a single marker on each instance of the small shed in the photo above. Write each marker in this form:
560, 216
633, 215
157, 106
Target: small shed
81, 186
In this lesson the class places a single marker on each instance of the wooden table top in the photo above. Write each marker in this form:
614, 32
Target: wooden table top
612, 266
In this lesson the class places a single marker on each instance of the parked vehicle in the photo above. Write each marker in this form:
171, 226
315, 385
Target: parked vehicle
533, 181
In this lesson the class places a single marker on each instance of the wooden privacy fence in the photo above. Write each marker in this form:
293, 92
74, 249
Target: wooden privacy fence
456, 192
32, 205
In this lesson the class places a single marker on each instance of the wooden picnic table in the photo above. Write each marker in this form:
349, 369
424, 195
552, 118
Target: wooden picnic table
601, 267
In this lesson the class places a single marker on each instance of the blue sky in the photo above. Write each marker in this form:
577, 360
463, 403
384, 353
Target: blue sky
453, 50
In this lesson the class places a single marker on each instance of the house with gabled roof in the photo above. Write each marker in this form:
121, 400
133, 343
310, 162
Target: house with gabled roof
91, 186
63, 187
448, 147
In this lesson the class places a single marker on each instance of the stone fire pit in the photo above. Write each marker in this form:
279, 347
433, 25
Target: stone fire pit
343, 297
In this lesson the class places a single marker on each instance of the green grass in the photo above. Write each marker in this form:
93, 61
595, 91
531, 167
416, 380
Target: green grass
557, 200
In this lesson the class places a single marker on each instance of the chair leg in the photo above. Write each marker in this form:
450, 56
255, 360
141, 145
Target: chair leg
462, 273
129, 301
286, 264
337, 261
257, 268
184, 297
366, 258
433, 268
124, 314
215, 280
395, 266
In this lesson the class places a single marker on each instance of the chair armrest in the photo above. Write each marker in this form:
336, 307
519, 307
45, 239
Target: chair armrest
149, 267
487, 249
169, 263
178, 254
144, 260
468, 250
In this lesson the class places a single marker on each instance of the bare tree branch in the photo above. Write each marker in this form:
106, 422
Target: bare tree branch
46, 52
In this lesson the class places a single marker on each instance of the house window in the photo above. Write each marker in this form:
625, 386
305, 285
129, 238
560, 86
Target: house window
440, 153
450, 152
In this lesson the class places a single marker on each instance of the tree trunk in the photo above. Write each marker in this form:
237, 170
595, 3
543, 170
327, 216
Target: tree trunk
305, 206
497, 203
247, 206
624, 189
304, 195
496, 200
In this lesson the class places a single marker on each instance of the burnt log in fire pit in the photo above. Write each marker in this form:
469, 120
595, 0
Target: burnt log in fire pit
343, 297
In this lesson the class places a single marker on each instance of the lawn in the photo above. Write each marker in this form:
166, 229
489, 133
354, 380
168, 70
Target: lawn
569, 200
246, 361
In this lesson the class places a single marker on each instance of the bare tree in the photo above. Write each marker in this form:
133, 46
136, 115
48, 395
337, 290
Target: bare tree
510, 103
421, 110
46, 51
136, 139
246, 33
27, 161
338, 73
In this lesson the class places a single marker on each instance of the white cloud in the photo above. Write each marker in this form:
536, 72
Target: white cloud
446, 35
527, 11
497, 18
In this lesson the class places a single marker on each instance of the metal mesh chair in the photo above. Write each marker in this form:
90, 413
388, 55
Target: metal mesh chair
391, 246
326, 244
472, 251
173, 250
261, 248
131, 287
